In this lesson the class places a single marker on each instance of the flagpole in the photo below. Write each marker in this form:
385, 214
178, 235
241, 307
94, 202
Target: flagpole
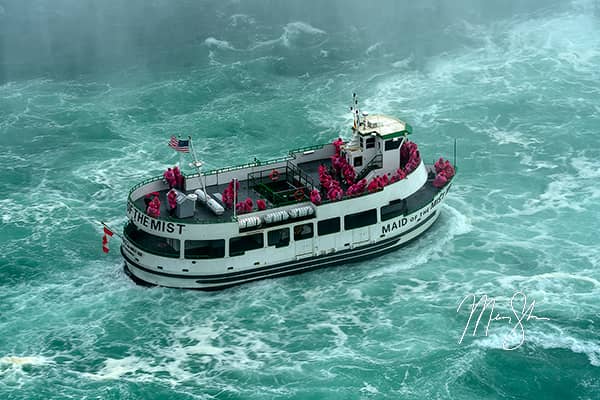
180, 157
111, 229
197, 164
108, 233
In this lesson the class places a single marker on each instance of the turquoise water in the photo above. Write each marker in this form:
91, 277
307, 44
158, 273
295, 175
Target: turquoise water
90, 94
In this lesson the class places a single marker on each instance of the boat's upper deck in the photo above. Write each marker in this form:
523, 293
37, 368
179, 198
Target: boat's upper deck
278, 183
383, 126
291, 183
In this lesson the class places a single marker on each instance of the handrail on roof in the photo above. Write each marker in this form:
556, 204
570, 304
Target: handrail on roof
307, 148
256, 163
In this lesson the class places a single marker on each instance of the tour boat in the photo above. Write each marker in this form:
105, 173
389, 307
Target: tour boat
319, 206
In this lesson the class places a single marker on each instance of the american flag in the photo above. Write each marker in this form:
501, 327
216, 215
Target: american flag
179, 144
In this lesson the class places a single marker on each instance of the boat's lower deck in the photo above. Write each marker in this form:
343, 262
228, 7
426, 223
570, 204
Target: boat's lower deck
288, 248
169, 248
147, 276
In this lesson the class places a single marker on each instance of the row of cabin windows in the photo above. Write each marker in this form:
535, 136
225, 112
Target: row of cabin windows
277, 237
206, 249
281, 237
158, 245
369, 143
241, 244
391, 144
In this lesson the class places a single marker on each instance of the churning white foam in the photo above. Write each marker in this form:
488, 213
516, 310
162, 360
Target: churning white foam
373, 48
293, 31
544, 340
212, 42
590, 348
296, 33
191, 354
428, 247
567, 190
404, 63
26, 360
241, 19
118, 368
302, 27
15, 369
369, 389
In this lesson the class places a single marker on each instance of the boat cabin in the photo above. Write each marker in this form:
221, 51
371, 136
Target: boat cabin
375, 143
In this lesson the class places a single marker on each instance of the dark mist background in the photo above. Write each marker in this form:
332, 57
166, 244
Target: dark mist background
64, 39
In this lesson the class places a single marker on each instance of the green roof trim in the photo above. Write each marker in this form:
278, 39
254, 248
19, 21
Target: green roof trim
397, 134
406, 131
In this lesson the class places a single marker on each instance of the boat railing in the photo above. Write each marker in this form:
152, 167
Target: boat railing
132, 201
297, 174
290, 185
374, 163
256, 163
143, 183
307, 148
193, 220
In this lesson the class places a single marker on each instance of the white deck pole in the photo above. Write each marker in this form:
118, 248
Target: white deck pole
197, 164
234, 198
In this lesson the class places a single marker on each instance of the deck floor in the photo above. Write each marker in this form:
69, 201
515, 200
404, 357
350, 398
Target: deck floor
203, 213
421, 197
311, 168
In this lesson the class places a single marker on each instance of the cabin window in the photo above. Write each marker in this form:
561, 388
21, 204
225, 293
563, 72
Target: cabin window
370, 142
395, 209
392, 144
358, 161
241, 244
204, 248
304, 231
358, 220
157, 245
362, 144
279, 237
414, 203
328, 226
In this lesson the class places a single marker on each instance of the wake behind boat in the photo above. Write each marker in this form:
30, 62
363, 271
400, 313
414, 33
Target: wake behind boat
319, 206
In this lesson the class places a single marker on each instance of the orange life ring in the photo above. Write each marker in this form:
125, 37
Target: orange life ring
274, 175
299, 194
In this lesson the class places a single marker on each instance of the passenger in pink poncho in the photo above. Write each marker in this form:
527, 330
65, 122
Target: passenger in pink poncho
170, 178
172, 200
261, 204
153, 209
178, 178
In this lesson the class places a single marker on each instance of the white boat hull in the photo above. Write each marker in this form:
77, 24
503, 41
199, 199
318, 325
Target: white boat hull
393, 234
